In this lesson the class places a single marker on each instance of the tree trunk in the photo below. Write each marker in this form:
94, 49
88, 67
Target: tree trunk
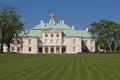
1, 49
8, 45
8, 50
2, 43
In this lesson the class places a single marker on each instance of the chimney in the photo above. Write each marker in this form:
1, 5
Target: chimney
73, 27
41, 22
62, 21
87, 29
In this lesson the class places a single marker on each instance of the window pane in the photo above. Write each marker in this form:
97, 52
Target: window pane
29, 41
18, 41
12, 48
73, 41
18, 49
73, 49
29, 49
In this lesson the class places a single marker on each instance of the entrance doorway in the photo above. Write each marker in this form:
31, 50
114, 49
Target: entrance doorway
46, 49
52, 49
40, 50
57, 50
63, 49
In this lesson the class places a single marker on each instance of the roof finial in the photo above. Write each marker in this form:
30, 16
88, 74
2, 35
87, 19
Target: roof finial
52, 17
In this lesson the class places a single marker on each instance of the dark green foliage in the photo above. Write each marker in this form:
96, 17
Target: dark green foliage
107, 34
10, 25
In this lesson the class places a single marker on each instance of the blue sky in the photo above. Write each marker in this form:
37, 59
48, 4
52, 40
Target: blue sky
80, 13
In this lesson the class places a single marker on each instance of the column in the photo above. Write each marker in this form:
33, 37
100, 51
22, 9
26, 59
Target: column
49, 51
43, 49
60, 49
54, 49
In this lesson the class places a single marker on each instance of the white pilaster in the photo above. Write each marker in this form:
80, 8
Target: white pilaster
60, 48
49, 51
43, 49
54, 49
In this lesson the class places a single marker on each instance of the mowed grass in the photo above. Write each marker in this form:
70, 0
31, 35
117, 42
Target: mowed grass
60, 67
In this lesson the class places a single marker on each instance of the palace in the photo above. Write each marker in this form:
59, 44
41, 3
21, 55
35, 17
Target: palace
53, 38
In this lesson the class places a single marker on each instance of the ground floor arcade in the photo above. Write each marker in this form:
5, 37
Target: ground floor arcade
48, 49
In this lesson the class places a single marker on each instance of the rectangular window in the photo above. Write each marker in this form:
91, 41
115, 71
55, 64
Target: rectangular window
12, 48
18, 41
29, 49
73, 49
92, 41
73, 41
18, 49
29, 41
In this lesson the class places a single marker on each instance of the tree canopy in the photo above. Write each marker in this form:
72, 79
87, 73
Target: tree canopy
10, 25
107, 34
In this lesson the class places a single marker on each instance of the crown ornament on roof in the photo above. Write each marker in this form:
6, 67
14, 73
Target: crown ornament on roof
52, 17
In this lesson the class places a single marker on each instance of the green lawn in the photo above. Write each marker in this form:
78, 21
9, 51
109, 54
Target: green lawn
60, 67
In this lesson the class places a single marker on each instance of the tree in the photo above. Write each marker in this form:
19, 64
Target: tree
11, 25
107, 34
3, 22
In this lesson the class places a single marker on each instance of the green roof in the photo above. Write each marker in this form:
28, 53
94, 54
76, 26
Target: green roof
66, 30
76, 33
55, 26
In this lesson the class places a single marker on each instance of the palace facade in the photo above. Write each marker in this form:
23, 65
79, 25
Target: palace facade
53, 38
